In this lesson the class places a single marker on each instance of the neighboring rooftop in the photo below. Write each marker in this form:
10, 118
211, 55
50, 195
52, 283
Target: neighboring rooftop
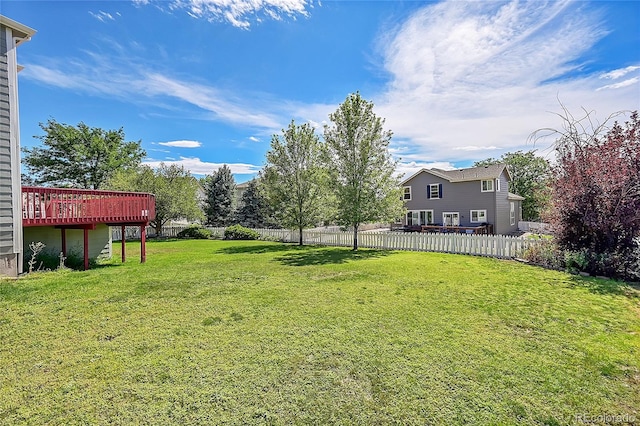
461, 175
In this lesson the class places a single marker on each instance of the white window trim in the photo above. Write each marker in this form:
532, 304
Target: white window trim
437, 186
478, 211
482, 186
404, 193
497, 185
512, 213
450, 213
426, 214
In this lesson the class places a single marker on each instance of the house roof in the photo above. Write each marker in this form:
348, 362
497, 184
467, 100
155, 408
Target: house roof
514, 197
20, 31
463, 175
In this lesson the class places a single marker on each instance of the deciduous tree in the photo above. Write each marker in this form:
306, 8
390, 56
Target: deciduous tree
294, 179
176, 191
361, 170
79, 156
596, 193
529, 178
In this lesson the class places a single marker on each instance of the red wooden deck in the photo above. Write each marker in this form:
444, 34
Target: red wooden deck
63, 206
67, 208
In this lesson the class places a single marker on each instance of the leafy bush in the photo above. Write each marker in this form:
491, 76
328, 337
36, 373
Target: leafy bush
576, 261
239, 232
197, 232
622, 265
545, 254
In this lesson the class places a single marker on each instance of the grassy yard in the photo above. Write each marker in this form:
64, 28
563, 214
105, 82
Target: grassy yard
214, 332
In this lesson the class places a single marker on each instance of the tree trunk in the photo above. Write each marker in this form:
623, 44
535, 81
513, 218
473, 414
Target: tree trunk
300, 229
355, 237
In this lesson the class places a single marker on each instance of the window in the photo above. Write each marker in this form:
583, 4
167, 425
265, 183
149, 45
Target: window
487, 185
407, 193
434, 191
512, 213
419, 217
451, 219
478, 216
498, 185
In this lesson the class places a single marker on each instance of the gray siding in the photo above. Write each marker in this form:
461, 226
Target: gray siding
6, 209
461, 197
503, 209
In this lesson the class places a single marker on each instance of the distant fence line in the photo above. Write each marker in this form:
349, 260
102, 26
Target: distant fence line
538, 227
500, 246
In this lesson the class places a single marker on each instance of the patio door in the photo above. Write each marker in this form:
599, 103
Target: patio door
451, 219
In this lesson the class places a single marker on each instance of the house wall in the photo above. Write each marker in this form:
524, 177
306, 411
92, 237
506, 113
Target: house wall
100, 244
461, 197
503, 209
10, 216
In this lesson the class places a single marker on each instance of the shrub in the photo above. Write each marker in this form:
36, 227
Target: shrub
239, 232
197, 232
545, 254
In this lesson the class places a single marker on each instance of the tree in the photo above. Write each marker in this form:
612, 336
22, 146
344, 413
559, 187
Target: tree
80, 156
361, 171
176, 191
294, 179
529, 178
253, 211
596, 193
219, 203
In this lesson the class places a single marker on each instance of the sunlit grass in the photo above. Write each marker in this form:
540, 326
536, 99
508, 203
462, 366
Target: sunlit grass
214, 332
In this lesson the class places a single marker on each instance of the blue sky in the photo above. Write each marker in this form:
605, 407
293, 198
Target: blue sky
207, 82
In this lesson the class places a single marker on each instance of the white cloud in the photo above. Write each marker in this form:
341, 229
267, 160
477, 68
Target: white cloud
182, 144
115, 77
470, 80
254, 139
409, 168
240, 13
616, 74
625, 83
103, 16
199, 167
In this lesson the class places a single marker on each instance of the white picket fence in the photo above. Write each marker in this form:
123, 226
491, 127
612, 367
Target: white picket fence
500, 246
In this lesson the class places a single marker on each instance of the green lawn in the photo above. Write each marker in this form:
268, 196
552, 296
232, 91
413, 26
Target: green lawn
212, 332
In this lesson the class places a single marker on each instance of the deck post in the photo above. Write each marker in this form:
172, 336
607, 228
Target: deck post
122, 241
63, 234
86, 248
143, 240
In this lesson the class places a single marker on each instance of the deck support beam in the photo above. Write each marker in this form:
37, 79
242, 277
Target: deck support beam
86, 248
122, 240
143, 243
63, 234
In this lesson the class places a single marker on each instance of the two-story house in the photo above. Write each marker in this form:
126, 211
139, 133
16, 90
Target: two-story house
463, 197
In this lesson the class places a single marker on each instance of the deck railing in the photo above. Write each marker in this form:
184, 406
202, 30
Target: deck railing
64, 206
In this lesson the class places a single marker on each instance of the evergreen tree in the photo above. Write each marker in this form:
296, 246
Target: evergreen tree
219, 203
253, 211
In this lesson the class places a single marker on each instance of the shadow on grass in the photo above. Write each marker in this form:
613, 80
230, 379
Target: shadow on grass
606, 286
305, 256
260, 248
